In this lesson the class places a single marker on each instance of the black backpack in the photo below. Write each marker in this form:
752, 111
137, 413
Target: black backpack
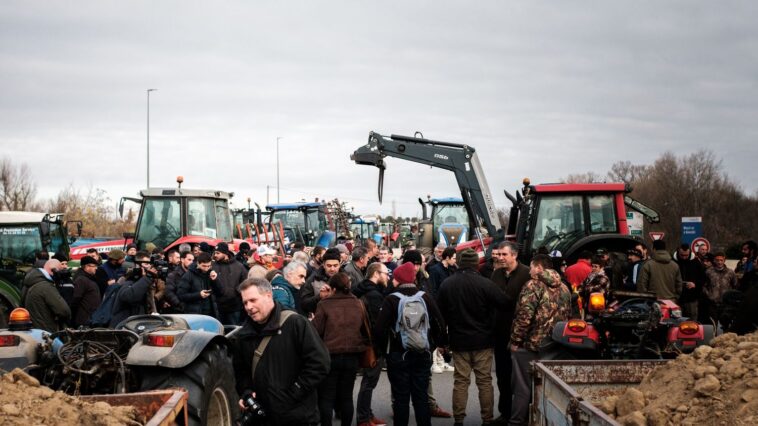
102, 315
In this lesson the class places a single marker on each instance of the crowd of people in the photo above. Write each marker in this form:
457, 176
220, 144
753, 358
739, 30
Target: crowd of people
309, 324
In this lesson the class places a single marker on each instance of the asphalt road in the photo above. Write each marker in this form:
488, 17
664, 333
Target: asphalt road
443, 392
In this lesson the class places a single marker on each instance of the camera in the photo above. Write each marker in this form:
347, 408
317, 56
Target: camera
160, 265
253, 414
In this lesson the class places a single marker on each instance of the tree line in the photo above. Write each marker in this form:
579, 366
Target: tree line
688, 185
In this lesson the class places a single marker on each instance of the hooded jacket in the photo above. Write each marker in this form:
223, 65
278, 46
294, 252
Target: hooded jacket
372, 296
45, 305
543, 302
309, 293
288, 374
286, 294
660, 275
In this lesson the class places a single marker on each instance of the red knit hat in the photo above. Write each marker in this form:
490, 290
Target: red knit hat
405, 273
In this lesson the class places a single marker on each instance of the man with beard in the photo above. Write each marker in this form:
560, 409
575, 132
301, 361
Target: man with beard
510, 276
197, 286
286, 287
316, 286
86, 297
371, 292
171, 302
230, 275
110, 271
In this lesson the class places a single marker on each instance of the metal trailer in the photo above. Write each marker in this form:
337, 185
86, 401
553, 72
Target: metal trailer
160, 407
564, 392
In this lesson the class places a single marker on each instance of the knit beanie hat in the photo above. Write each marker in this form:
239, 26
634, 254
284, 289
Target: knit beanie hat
405, 273
331, 254
467, 259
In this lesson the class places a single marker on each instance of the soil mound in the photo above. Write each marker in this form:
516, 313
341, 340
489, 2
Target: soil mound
715, 385
24, 402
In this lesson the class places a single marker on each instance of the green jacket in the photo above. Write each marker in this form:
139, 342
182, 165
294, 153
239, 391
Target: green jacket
660, 275
543, 302
45, 305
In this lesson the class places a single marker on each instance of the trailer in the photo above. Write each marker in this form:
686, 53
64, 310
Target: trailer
159, 407
565, 392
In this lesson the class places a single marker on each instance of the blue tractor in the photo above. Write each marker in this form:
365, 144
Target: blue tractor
144, 352
303, 221
449, 223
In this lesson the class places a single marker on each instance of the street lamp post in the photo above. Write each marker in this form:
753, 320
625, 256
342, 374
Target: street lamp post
277, 168
148, 135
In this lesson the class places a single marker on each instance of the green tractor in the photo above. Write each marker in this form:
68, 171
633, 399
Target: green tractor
22, 234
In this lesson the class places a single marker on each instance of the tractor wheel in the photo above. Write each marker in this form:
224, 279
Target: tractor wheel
210, 383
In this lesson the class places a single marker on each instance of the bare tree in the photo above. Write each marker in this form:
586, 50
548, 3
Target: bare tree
625, 171
94, 209
588, 177
17, 188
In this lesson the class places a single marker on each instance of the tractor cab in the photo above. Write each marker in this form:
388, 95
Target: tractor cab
172, 216
304, 221
571, 218
365, 228
449, 222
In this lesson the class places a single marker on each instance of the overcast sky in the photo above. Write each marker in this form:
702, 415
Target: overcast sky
540, 89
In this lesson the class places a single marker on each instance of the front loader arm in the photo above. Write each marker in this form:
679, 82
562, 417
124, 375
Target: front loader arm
460, 159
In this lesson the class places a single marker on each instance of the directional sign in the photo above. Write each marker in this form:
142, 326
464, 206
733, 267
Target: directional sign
656, 235
700, 242
692, 227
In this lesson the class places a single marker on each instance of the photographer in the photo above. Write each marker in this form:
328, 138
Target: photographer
132, 298
40, 297
196, 288
294, 360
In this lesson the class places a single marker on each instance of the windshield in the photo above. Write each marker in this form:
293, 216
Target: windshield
558, 215
450, 213
316, 221
160, 222
223, 221
290, 218
20, 242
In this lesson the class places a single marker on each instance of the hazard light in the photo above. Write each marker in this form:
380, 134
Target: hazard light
597, 302
689, 327
19, 320
159, 340
576, 325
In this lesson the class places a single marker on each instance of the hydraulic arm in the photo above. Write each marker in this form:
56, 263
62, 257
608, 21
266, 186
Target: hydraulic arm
462, 160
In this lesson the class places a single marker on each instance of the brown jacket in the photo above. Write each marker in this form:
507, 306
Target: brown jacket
339, 322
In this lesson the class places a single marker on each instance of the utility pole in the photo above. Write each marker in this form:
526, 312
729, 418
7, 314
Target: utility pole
148, 135
277, 168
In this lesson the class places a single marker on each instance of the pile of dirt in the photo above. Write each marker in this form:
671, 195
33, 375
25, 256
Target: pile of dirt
24, 402
715, 385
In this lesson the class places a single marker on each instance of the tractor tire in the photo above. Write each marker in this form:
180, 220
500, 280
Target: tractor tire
209, 380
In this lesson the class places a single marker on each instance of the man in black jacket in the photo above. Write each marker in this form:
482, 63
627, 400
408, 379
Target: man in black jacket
293, 363
693, 276
371, 292
86, 296
509, 276
197, 287
231, 273
132, 298
444, 268
171, 302
316, 286
468, 302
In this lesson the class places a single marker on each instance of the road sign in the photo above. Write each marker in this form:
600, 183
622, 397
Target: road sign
656, 235
692, 227
698, 242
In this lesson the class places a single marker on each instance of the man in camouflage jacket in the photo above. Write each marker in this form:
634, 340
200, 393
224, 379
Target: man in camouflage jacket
543, 301
719, 279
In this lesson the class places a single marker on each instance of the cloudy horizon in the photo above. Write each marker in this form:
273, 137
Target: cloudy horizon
540, 89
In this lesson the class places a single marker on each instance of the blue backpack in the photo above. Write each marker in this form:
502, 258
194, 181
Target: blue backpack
102, 315
413, 322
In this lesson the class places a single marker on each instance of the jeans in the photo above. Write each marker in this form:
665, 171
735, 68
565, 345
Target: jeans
503, 366
480, 362
337, 389
366, 392
521, 386
408, 373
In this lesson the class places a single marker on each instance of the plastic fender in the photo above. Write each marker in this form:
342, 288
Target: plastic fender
187, 347
688, 342
25, 353
199, 322
587, 339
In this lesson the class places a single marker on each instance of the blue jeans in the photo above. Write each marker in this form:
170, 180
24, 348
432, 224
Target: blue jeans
409, 375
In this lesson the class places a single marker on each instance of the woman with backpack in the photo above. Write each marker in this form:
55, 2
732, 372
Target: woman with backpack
339, 322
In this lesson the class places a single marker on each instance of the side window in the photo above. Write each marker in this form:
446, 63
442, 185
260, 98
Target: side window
223, 221
201, 217
602, 214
